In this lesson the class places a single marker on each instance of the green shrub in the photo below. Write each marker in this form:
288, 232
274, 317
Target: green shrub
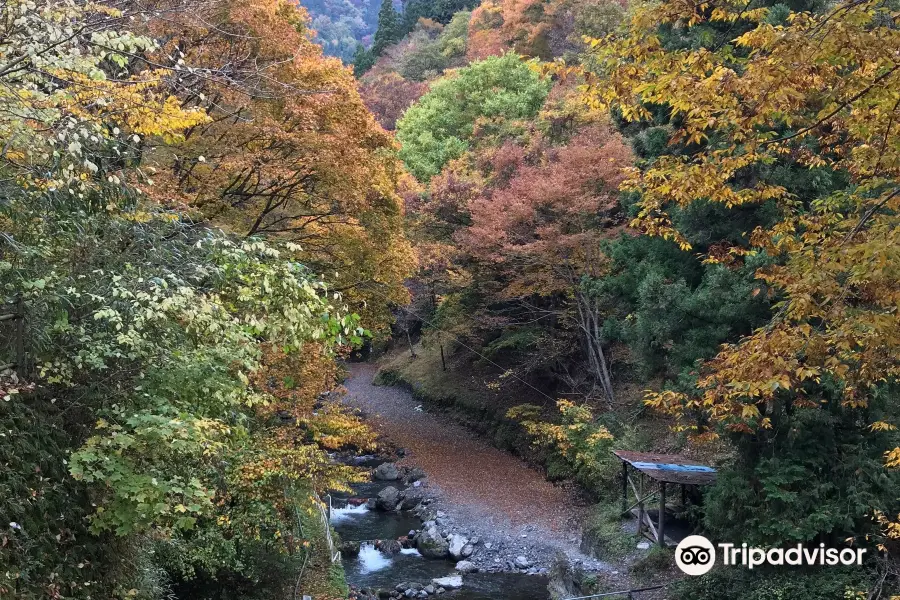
658, 559
387, 377
603, 533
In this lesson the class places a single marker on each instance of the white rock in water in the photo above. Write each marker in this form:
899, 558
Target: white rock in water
451, 582
465, 566
457, 545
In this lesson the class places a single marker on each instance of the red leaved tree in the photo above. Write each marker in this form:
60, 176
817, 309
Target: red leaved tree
540, 233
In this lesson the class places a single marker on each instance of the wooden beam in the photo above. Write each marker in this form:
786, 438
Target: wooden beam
637, 495
625, 508
651, 527
641, 506
662, 513
646, 498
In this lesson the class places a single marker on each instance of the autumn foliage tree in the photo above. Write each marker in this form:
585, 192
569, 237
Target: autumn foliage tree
168, 424
767, 87
388, 95
539, 231
539, 28
290, 150
551, 211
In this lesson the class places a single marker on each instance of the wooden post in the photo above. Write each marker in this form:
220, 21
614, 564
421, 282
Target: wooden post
662, 514
625, 487
20, 336
641, 505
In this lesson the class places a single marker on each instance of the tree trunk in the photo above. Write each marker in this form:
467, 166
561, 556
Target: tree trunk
589, 323
412, 353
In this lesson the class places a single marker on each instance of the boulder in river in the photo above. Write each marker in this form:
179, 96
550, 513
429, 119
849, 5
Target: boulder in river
466, 566
451, 582
388, 498
412, 498
415, 474
389, 547
566, 580
431, 544
387, 472
349, 549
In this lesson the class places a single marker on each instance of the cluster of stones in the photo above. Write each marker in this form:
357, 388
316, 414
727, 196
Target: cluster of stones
435, 539
435, 588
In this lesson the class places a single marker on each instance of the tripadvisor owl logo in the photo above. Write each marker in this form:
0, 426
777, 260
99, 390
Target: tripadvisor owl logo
696, 555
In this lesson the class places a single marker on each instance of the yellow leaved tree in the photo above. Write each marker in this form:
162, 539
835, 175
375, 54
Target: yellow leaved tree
764, 87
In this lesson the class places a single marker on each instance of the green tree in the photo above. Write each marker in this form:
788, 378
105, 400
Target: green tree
389, 30
439, 127
363, 60
441, 11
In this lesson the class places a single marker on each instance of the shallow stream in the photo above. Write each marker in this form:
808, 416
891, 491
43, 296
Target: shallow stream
374, 570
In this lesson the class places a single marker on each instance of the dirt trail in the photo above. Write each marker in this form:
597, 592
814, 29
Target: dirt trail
492, 493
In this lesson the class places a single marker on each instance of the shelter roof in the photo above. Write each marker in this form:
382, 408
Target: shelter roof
669, 468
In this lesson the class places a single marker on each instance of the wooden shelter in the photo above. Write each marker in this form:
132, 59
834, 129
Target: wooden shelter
639, 472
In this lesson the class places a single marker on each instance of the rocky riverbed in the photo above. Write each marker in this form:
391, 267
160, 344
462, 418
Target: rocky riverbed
478, 490
433, 557
479, 514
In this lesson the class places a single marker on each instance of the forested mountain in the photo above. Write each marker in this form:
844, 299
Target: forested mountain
341, 25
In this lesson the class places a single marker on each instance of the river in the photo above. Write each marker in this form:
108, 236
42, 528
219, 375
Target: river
482, 492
